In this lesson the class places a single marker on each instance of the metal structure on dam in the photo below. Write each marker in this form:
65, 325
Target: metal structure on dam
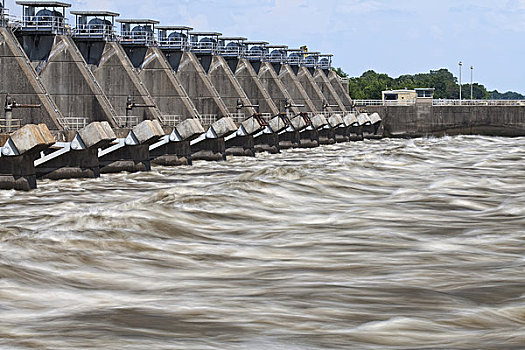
106, 94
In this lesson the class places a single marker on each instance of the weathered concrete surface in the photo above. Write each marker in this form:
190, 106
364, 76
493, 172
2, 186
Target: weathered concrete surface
253, 125
79, 163
97, 134
424, 120
270, 81
71, 83
328, 91
118, 78
72, 165
290, 139
267, 143
172, 154
341, 90
318, 121
127, 159
209, 150
355, 130
160, 80
229, 89
19, 79
18, 172
196, 83
309, 138
148, 131
32, 138
224, 127
316, 97
241, 146
295, 89
252, 86
190, 129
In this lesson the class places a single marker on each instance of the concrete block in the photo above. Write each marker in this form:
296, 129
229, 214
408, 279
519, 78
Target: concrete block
224, 127
148, 131
32, 138
190, 129
318, 121
375, 118
336, 120
277, 124
252, 125
94, 135
110, 134
46, 134
363, 119
298, 123
350, 119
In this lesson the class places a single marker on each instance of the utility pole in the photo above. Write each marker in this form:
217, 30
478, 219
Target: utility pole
471, 88
460, 64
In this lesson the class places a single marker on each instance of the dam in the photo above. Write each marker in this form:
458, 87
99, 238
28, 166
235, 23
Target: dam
107, 94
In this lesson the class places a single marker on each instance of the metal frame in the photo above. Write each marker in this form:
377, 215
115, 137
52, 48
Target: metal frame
226, 51
308, 63
256, 56
272, 49
128, 36
204, 47
165, 42
294, 61
84, 30
323, 65
30, 22
4, 14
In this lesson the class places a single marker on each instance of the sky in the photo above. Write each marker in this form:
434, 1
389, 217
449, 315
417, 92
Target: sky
389, 36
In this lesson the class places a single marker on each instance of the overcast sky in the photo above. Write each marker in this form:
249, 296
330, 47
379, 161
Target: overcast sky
389, 36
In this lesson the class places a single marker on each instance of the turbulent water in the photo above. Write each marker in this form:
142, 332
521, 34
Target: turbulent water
389, 244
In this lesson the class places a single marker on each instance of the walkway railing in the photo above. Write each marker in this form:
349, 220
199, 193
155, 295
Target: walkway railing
53, 24
203, 47
8, 126
171, 120
238, 117
125, 121
73, 123
478, 102
94, 31
207, 119
137, 38
175, 44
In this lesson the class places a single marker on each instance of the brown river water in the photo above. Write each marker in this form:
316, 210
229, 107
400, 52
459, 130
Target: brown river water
386, 244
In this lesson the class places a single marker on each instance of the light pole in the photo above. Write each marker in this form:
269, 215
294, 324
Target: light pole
471, 89
460, 64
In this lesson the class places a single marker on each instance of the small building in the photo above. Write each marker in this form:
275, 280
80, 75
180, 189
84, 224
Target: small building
405, 97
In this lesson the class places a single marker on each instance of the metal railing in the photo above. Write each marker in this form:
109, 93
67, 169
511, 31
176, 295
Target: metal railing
203, 47
73, 123
207, 119
126, 121
238, 117
96, 31
8, 126
266, 116
53, 24
326, 65
176, 44
294, 60
231, 51
406, 102
4, 16
171, 120
137, 38
440, 102
255, 55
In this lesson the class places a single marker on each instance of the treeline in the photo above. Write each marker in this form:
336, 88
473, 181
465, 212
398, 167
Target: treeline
370, 85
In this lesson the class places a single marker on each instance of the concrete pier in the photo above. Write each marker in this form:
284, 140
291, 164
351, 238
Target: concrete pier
132, 153
119, 80
164, 85
67, 77
315, 96
340, 90
78, 158
19, 79
251, 84
17, 170
328, 91
269, 78
288, 78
